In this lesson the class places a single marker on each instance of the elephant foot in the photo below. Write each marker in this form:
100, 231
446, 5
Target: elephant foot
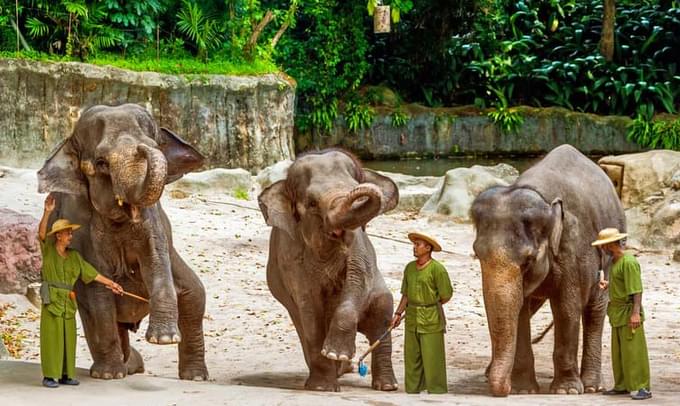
194, 374
321, 383
524, 384
113, 370
566, 386
592, 385
385, 383
163, 334
135, 363
338, 346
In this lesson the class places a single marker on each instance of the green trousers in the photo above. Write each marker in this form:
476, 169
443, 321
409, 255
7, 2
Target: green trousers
424, 362
630, 361
57, 345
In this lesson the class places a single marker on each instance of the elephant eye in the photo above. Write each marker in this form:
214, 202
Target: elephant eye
102, 165
312, 203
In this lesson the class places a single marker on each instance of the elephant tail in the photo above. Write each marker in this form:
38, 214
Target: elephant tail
543, 333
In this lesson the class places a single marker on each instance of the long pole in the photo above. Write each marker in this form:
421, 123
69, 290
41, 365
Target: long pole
16, 13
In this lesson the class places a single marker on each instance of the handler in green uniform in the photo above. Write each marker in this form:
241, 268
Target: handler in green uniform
61, 268
424, 289
630, 361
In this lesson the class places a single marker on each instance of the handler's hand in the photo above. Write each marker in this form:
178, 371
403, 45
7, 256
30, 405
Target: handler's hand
115, 288
634, 321
396, 320
50, 203
603, 284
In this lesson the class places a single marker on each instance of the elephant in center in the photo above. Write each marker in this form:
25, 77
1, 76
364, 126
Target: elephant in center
322, 266
533, 244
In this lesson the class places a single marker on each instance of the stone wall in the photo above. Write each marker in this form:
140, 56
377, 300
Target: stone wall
234, 121
466, 130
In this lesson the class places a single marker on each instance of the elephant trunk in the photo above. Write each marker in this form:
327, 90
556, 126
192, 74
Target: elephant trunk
157, 169
355, 208
503, 297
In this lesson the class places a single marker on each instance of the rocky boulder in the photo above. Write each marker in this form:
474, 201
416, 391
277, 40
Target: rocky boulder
655, 223
414, 191
20, 259
273, 174
638, 177
214, 181
456, 192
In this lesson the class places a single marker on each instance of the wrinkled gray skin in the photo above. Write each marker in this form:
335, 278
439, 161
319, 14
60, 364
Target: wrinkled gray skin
533, 244
109, 175
322, 266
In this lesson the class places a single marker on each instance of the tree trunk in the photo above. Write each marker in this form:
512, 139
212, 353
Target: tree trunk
608, 21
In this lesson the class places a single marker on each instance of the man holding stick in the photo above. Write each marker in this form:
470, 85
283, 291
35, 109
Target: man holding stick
62, 267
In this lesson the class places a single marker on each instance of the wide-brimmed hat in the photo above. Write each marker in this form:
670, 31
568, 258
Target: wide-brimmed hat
418, 236
61, 225
608, 235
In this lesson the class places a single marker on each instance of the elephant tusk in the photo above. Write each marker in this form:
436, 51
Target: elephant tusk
120, 201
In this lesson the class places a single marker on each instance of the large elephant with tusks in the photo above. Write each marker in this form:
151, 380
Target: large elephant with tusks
322, 266
109, 176
533, 243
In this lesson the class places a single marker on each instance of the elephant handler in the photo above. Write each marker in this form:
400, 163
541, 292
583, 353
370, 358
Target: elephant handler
630, 361
61, 268
424, 289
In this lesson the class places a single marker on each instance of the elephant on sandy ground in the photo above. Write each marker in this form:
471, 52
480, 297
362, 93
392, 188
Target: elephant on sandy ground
110, 175
322, 266
533, 243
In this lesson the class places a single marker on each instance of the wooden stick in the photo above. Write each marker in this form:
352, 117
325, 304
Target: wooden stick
136, 297
375, 344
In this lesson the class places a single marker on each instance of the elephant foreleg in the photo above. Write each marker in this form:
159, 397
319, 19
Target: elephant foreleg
523, 372
97, 312
191, 308
566, 314
374, 324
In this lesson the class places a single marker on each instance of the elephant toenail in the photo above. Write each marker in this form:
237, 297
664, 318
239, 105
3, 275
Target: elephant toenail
343, 357
573, 391
332, 355
176, 338
153, 340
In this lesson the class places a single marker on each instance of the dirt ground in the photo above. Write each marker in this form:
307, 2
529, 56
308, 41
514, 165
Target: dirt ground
250, 340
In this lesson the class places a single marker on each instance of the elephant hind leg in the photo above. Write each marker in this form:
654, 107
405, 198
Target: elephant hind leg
132, 359
135, 363
523, 372
591, 360
373, 325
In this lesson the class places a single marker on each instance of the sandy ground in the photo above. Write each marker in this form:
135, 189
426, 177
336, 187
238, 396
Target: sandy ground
252, 350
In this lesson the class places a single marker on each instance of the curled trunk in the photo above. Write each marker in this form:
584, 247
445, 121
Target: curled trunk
157, 168
503, 297
356, 208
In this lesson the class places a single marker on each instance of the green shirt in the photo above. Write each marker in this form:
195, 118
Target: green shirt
63, 270
424, 289
624, 281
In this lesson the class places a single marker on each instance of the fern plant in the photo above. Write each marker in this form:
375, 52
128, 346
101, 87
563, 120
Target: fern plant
358, 115
201, 28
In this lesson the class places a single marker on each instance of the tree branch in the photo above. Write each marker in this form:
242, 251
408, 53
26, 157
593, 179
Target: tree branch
268, 17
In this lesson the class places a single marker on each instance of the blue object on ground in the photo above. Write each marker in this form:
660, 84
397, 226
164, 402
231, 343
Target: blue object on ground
363, 369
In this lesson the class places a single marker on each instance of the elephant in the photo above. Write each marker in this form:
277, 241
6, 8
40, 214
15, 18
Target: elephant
108, 176
322, 266
533, 244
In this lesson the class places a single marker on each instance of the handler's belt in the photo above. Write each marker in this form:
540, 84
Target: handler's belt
423, 305
45, 290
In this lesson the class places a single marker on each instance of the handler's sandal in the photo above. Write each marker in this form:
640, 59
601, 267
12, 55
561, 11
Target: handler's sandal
69, 381
642, 394
50, 383
616, 392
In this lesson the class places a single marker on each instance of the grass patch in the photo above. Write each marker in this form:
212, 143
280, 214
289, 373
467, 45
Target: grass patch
240, 193
174, 66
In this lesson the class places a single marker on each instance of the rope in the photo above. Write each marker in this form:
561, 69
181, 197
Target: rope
407, 242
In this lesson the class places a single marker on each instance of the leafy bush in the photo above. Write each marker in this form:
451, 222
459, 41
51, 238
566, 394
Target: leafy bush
400, 118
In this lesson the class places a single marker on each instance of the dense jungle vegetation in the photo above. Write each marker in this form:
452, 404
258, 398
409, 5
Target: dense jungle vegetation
490, 53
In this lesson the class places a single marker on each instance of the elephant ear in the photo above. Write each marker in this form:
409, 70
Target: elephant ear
558, 224
181, 156
61, 171
389, 189
277, 208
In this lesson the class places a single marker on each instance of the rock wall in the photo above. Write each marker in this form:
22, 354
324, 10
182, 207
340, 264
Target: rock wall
466, 130
234, 121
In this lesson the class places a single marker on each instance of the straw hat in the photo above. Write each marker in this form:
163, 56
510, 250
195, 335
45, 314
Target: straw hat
418, 236
608, 235
61, 225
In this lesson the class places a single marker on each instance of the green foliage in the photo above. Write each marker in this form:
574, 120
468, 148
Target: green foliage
509, 120
654, 133
358, 115
400, 118
240, 193
201, 28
